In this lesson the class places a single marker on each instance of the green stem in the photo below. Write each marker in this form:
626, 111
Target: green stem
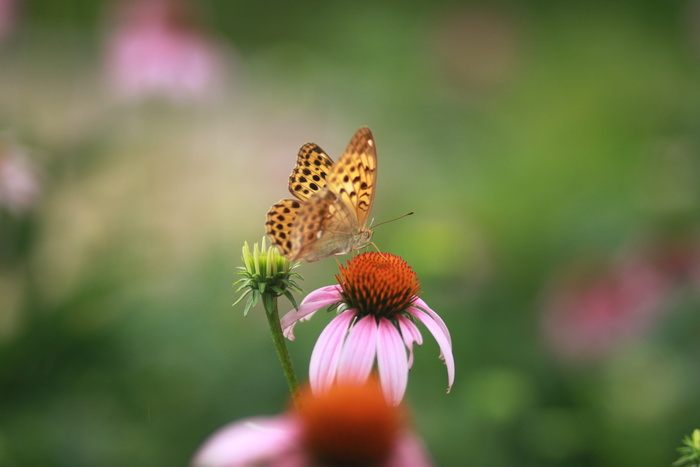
273, 319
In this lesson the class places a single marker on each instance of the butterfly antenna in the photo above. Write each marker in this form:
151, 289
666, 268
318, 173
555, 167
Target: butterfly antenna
385, 222
392, 220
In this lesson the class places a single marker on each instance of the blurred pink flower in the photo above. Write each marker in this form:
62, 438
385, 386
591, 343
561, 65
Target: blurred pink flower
379, 304
349, 425
19, 179
155, 49
587, 315
8, 17
678, 257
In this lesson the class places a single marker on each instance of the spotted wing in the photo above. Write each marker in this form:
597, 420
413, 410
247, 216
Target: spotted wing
353, 178
280, 219
324, 226
309, 240
310, 173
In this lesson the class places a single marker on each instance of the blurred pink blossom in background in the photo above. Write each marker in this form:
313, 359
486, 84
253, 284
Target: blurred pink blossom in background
590, 313
156, 48
19, 179
678, 258
8, 17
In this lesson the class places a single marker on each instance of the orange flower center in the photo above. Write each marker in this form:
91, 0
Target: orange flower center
381, 284
349, 425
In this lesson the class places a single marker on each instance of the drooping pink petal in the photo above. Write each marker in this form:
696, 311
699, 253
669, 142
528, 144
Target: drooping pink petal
357, 358
409, 451
249, 442
410, 334
311, 304
442, 339
326, 354
391, 362
419, 303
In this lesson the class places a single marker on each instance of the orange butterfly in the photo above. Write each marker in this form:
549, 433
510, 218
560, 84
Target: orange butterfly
329, 216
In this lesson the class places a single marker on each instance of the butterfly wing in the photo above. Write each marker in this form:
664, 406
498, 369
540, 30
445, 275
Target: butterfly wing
309, 175
334, 202
280, 219
333, 220
310, 240
353, 177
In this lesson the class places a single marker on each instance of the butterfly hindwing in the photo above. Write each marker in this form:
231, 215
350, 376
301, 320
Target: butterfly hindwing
309, 237
280, 219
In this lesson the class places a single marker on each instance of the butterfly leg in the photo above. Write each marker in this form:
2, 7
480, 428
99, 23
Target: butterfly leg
378, 250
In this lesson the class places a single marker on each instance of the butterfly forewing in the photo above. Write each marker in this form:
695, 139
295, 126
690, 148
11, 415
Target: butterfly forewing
353, 177
309, 175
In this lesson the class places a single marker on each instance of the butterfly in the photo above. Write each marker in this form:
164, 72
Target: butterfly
329, 216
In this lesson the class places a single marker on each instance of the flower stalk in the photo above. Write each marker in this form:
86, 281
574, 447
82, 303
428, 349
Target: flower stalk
267, 276
273, 320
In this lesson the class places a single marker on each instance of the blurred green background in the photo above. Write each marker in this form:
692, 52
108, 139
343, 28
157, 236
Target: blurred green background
533, 140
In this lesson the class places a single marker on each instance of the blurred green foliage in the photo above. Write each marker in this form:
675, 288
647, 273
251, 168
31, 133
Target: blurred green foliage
524, 135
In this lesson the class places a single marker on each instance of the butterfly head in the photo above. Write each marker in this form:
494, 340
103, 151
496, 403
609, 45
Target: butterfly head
364, 238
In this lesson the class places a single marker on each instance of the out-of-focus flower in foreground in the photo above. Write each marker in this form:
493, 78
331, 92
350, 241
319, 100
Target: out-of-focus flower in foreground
155, 49
379, 305
350, 426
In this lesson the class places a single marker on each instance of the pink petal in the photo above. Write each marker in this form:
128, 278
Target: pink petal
326, 354
418, 302
359, 351
391, 361
442, 339
311, 304
409, 451
249, 442
410, 334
